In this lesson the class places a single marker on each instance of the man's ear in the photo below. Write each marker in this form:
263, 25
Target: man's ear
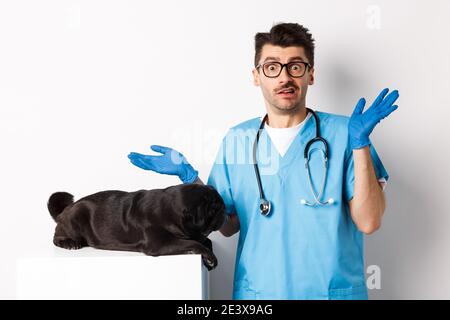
255, 77
311, 76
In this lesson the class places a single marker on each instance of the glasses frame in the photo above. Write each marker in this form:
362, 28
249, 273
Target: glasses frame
307, 65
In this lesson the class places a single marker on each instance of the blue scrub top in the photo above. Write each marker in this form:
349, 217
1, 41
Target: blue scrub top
297, 252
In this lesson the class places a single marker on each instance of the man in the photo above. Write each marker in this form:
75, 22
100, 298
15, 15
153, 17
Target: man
303, 248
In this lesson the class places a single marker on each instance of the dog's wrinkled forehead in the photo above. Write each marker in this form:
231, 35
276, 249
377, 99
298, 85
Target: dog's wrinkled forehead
196, 194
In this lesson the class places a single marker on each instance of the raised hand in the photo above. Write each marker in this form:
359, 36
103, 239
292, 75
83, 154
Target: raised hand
361, 124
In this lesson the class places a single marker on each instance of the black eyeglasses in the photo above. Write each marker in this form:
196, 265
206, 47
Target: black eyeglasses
273, 69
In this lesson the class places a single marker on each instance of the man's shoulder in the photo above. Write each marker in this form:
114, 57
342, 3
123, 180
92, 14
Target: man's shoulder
252, 123
333, 118
244, 129
325, 118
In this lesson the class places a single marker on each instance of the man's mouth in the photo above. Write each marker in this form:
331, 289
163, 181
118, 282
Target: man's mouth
287, 92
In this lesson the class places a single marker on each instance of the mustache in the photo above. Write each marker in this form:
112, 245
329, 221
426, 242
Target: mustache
289, 85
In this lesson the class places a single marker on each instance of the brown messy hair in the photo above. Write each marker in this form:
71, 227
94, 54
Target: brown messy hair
286, 35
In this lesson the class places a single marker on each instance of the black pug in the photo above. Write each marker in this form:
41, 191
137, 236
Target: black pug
175, 220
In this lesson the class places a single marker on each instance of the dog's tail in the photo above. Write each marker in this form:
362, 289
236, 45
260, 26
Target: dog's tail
58, 202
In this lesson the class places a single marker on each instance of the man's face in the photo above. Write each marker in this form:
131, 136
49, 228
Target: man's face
280, 102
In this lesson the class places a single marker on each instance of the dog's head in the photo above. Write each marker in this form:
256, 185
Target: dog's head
203, 210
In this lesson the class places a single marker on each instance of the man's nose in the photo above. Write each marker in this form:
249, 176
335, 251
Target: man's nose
284, 75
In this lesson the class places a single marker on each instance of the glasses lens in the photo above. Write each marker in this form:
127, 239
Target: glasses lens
296, 69
272, 69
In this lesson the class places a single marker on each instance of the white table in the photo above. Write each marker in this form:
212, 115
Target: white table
90, 273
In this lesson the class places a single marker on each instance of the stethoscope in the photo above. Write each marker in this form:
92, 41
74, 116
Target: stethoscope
264, 204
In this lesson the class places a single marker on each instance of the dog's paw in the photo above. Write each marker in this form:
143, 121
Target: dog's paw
210, 262
67, 243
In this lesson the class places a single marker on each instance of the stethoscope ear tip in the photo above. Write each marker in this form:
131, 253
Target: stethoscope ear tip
330, 201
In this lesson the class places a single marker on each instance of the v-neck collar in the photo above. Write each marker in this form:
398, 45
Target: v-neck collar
274, 132
295, 150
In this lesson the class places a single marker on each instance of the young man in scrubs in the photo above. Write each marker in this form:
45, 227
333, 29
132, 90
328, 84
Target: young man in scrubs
296, 251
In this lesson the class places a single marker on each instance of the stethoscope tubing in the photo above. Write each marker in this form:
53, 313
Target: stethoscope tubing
265, 205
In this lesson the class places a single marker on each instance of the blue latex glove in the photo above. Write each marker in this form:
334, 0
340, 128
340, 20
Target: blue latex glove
361, 124
171, 162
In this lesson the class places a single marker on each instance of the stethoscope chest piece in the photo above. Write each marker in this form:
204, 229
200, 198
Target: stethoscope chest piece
264, 207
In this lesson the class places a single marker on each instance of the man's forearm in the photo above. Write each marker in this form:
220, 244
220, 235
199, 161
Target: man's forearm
230, 226
368, 203
198, 181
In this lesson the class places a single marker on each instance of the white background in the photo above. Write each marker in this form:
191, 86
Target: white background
83, 83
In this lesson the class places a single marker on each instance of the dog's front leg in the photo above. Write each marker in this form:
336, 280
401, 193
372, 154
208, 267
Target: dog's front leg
207, 243
182, 246
161, 243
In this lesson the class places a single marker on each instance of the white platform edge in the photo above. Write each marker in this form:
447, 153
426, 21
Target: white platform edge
101, 274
